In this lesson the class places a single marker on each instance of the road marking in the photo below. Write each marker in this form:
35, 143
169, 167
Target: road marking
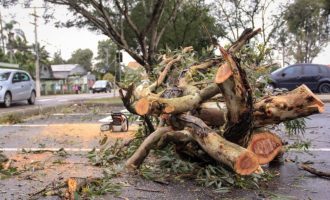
310, 149
32, 125
43, 100
26, 125
90, 149
48, 149
78, 114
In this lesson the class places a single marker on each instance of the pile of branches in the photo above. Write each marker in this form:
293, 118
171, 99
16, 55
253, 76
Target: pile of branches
219, 120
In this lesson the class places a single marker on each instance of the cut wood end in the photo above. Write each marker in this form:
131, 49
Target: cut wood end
311, 97
266, 146
142, 107
246, 163
72, 185
169, 109
223, 73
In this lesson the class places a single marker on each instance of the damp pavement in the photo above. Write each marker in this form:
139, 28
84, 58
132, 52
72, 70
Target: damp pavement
79, 130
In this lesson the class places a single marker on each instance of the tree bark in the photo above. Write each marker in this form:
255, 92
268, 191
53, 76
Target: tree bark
300, 102
236, 90
142, 152
154, 104
241, 160
297, 103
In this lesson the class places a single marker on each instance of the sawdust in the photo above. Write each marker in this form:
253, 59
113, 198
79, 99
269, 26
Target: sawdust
85, 131
78, 135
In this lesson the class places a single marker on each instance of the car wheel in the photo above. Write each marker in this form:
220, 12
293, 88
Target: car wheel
324, 88
7, 100
32, 98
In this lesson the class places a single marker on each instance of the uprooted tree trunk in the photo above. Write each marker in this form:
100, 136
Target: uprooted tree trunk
230, 132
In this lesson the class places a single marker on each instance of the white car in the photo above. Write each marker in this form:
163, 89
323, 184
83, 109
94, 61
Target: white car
16, 85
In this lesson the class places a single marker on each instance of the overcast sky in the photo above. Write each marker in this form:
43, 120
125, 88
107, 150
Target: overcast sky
68, 40
65, 40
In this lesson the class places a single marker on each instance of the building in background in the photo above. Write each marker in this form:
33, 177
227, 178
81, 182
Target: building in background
63, 79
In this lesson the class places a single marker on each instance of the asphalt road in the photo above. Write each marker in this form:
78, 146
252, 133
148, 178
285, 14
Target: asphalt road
52, 100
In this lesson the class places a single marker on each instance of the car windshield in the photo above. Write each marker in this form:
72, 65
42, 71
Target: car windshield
278, 70
100, 84
4, 76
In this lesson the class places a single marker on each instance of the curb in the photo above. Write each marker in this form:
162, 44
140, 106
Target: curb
26, 113
324, 98
29, 112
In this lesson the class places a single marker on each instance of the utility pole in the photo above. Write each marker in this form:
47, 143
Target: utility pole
108, 68
283, 56
37, 66
2, 36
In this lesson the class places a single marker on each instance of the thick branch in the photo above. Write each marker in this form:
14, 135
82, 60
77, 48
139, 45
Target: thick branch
157, 105
236, 90
300, 102
158, 139
232, 87
241, 160
212, 113
243, 39
142, 152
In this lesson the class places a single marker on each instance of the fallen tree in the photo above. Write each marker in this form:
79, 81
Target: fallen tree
233, 131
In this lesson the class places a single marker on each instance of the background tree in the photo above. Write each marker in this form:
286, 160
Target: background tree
109, 77
82, 57
19, 51
238, 15
106, 56
308, 27
57, 59
193, 25
109, 18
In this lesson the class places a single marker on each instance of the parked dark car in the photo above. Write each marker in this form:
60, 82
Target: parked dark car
101, 86
316, 77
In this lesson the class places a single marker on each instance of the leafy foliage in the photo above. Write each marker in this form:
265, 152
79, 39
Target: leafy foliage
215, 176
18, 50
104, 185
11, 119
82, 57
295, 126
235, 16
57, 59
109, 77
308, 28
300, 145
112, 153
106, 56
193, 25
